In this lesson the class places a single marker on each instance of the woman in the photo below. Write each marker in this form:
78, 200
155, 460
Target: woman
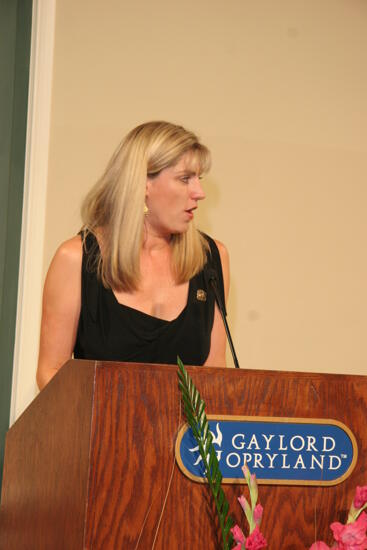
132, 286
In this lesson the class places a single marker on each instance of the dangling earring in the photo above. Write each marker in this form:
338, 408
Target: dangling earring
146, 209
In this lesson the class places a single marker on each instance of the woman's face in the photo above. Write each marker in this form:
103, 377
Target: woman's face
172, 197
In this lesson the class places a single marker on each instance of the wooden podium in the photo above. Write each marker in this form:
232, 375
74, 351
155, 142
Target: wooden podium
90, 464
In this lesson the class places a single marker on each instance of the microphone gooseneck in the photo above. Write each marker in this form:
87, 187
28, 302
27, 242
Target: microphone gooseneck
212, 278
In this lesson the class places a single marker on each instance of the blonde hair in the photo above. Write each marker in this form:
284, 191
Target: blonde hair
115, 205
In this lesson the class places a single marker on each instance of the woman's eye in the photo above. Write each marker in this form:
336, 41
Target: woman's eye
185, 179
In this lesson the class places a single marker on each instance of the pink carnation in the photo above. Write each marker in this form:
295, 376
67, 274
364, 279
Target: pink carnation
360, 498
237, 547
238, 534
351, 536
319, 545
255, 541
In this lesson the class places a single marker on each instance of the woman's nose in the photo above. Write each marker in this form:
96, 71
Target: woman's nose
198, 192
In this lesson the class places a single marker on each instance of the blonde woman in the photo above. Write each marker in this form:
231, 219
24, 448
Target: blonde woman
132, 285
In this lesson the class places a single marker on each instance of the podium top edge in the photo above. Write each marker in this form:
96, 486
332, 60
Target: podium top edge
101, 364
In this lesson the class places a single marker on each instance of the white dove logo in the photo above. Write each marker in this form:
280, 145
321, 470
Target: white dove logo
217, 440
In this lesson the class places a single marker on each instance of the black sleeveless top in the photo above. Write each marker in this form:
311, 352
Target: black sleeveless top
111, 331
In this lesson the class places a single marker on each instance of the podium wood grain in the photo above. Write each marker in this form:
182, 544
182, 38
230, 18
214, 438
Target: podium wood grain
90, 464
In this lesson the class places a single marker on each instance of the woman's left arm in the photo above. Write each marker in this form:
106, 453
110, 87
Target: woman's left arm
217, 353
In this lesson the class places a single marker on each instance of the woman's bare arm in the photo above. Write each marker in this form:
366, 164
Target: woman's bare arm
60, 310
217, 354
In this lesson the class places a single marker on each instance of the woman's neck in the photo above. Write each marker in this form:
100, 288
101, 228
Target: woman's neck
154, 242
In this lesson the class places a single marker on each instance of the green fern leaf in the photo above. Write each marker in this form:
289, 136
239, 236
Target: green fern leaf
194, 408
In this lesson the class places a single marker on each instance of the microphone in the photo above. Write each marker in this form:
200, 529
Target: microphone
213, 281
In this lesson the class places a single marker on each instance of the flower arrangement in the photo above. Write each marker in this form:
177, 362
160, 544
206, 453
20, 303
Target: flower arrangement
352, 535
253, 512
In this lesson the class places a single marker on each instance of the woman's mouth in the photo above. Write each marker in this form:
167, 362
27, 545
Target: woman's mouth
190, 212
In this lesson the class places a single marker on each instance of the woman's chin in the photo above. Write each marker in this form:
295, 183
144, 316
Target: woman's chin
181, 230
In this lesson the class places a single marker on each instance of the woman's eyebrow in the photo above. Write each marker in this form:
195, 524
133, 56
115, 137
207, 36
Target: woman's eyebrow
186, 172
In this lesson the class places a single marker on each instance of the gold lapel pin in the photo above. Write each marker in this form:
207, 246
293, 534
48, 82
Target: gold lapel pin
201, 295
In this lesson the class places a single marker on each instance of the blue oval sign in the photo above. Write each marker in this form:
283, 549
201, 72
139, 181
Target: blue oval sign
298, 451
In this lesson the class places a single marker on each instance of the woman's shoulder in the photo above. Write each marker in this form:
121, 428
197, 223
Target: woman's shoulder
223, 252
64, 271
219, 246
71, 251
68, 258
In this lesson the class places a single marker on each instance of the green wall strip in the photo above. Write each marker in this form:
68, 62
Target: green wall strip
15, 38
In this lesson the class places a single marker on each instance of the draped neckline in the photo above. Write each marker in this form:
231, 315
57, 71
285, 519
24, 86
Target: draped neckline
139, 312
148, 315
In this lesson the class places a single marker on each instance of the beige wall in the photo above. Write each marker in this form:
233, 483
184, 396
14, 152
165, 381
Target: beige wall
278, 92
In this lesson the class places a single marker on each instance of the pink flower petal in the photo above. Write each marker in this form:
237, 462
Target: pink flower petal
258, 514
360, 497
353, 535
255, 541
238, 534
